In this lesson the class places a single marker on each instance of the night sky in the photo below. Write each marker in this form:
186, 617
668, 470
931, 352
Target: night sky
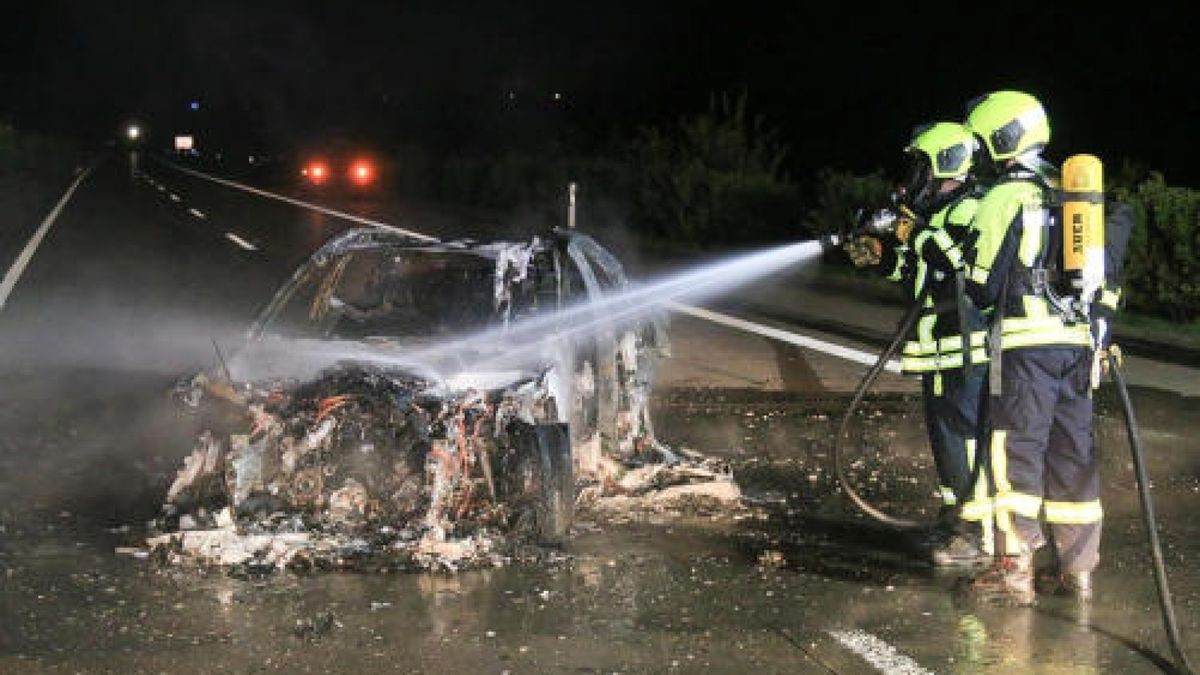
843, 82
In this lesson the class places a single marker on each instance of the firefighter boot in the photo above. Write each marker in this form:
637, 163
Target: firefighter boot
958, 545
1008, 581
1076, 585
960, 550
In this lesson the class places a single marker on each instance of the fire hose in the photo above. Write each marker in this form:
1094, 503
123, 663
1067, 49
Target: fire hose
864, 385
1147, 504
1143, 483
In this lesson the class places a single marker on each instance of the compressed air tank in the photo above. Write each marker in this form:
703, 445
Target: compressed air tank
1083, 224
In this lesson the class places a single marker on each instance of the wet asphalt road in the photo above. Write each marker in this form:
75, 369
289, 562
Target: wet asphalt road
127, 293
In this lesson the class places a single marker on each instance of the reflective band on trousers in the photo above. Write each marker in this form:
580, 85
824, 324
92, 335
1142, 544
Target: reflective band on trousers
977, 502
1003, 516
977, 510
978, 506
1073, 513
1020, 503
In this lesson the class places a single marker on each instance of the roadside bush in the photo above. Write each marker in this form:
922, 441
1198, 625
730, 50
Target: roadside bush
714, 177
1162, 268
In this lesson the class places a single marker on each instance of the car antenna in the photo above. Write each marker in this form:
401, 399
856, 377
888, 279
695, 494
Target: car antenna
221, 360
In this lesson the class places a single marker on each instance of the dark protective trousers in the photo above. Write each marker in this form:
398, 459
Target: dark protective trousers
1043, 457
952, 416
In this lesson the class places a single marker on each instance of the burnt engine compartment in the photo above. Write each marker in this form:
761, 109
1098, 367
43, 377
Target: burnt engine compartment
370, 461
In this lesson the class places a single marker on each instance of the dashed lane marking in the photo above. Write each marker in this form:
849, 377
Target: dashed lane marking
197, 213
240, 242
296, 202
18, 267
175, 197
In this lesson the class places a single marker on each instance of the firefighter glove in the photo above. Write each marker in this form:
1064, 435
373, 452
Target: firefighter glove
864, 250
906, 223
1113, 351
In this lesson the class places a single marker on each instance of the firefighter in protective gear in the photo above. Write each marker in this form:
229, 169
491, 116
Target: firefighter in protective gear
924, 253
1040, 446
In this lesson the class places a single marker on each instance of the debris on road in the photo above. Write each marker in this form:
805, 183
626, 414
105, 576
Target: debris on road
315, 626
364, 468
685, 482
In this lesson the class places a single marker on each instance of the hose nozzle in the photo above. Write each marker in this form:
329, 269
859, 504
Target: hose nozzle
831, 241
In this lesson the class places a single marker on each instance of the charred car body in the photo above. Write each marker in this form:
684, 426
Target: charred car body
411, 400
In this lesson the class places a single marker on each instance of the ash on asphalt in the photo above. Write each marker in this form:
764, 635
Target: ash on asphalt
781, 444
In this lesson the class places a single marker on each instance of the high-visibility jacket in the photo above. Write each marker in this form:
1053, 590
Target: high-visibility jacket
1010, 263
928, 263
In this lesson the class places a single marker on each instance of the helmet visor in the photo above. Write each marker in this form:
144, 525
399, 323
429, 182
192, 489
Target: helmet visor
950, 160
1006, 139
918, 179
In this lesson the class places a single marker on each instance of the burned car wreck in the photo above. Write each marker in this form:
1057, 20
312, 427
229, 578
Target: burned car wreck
403, 404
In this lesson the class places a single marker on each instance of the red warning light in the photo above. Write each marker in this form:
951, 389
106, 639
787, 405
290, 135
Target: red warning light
362, 172
317, 172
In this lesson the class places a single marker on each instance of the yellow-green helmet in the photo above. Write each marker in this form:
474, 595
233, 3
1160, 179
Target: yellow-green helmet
949, 148
1009, 122
938, 153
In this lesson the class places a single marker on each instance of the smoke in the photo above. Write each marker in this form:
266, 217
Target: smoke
147, 340
87, 426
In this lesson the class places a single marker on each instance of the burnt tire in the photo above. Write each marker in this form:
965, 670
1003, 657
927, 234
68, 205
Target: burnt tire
537, 479
554, 498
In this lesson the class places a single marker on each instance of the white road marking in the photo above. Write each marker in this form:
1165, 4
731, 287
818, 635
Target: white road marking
161, 187
847, 353
18, 266
240, 242
175, 197
733, 322
303, 204
196, 212
878, 653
